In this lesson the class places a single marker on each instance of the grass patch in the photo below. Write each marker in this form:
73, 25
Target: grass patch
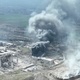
15, 19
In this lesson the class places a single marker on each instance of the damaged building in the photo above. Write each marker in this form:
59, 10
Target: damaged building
39, 48
7, 58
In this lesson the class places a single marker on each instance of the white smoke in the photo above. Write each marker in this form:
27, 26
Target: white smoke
64, 14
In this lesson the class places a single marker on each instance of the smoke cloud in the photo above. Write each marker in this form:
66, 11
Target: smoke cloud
62, 18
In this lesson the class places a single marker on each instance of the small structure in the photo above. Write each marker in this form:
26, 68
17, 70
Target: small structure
30, 67
46, 62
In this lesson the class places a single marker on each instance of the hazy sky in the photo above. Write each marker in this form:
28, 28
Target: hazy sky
21, 3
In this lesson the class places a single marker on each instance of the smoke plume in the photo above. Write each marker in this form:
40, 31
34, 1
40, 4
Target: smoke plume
61, 17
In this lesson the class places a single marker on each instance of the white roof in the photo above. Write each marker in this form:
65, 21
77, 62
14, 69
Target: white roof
7, 53
43, 58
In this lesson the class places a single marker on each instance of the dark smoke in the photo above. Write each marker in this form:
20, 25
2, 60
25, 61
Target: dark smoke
47, 27
61, 21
